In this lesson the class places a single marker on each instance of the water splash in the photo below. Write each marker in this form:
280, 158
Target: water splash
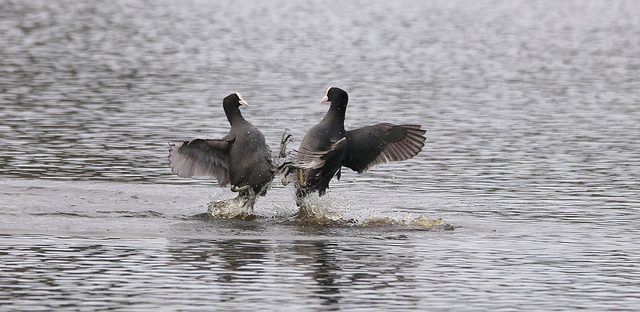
320, 210
234, 208
422, 221
316, 209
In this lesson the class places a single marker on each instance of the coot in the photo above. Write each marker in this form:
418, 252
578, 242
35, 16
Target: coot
327, 147
241, 158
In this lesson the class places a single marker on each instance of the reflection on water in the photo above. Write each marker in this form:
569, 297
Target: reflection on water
532, 118
247, 274
230, 274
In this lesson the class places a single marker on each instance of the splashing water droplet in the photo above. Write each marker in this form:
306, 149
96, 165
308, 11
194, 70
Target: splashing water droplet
315, 209
421, 221
234, 208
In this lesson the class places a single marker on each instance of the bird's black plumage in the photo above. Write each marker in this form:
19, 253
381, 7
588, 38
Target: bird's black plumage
241, 158
327, 146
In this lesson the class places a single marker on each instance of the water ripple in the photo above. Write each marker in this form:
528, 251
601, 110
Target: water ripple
532, 123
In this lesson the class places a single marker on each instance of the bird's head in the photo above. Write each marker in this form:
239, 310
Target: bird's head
336, 96
234, 100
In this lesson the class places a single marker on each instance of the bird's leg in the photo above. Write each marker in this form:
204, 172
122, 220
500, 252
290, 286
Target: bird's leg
235, 188
301, 175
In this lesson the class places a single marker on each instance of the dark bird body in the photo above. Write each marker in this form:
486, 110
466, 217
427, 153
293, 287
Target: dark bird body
241, 158
327, 147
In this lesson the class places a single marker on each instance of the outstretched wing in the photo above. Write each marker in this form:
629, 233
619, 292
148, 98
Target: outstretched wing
200, 157
372, 145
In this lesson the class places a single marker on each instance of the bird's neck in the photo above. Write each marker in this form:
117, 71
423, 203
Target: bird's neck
233, 114
335, 114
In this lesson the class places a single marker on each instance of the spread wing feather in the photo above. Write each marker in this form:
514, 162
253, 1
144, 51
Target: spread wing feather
201, 157
372, 145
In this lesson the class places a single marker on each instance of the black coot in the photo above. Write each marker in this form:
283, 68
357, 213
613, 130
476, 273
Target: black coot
327, 147
241, 158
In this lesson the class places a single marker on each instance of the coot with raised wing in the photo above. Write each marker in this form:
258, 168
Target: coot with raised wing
327, 147
241, 158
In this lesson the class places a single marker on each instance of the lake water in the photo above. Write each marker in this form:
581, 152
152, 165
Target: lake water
533, 118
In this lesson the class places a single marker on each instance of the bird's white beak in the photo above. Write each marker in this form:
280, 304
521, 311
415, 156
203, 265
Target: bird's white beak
326, 96
242, 101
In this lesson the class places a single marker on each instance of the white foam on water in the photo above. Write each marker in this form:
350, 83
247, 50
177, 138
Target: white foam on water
234, 208
323, 209
326, 210
422, 221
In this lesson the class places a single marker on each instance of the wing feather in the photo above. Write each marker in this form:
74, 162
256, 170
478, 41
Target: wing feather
372, 145
201, 157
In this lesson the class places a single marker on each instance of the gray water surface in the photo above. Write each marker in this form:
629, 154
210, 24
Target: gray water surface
533, 123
